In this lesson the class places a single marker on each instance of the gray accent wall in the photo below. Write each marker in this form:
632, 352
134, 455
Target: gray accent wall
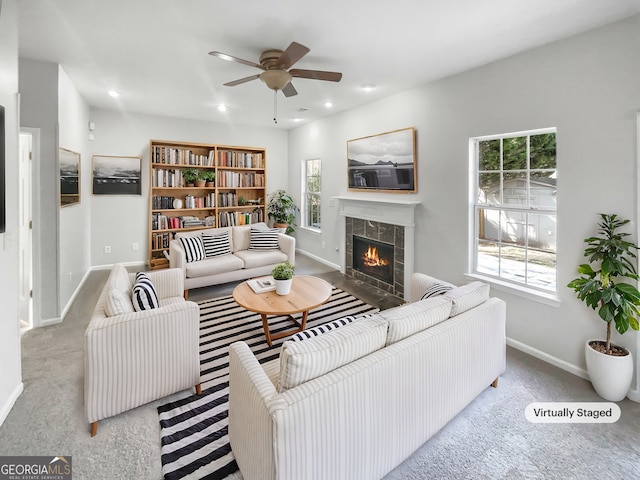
587, 86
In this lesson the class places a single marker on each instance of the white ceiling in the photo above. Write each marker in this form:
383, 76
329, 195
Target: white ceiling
155, 52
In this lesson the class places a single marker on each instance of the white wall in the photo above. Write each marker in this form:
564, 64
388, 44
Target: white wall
39, 109
10, 368
74, 226
119, 221
586, 86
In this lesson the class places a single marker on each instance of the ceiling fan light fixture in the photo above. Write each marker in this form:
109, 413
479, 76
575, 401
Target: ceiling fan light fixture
275, 79
222, 107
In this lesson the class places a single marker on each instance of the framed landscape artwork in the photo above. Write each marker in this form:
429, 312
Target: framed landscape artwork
384, 162
69, 164
114, 175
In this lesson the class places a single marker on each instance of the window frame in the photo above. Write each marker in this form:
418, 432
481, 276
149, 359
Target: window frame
502, 207
305, 194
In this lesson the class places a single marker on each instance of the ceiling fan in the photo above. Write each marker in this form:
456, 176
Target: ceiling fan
275, 65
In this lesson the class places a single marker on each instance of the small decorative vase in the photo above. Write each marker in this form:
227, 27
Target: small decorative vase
283, 287
610, 375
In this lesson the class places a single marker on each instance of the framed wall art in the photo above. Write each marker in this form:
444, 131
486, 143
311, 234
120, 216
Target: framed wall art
69, 165
115, 175
384, 162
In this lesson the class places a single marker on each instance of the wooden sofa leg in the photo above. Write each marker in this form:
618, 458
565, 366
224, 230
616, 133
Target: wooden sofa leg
94, 428
186, 294
494, 384
198, 389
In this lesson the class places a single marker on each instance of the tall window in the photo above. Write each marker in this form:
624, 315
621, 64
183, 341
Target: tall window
311, 188
514, 197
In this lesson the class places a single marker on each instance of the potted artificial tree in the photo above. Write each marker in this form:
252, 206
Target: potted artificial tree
602, 288
282, 209
190, 175
283, 276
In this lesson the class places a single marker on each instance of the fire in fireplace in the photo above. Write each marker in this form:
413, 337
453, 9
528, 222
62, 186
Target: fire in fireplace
373, 258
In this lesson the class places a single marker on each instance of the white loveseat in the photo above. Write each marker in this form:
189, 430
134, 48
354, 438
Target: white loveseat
241, 263
357, 401
134, 357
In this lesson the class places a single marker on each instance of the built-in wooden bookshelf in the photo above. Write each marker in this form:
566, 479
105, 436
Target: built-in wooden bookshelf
236, 196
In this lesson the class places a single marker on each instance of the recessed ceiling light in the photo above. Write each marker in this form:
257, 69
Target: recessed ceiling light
328, 104
222, 107
367, 87
297, 119
113, 93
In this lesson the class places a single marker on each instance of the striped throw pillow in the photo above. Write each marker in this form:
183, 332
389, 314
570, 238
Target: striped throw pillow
327, 327
216, 245
264, 239
193, 248
436, 289
144, 296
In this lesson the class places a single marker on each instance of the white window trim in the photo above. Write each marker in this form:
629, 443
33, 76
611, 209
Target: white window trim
303, 183
547, 297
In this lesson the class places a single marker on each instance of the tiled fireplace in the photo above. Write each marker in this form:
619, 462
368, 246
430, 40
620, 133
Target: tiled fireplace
379, 241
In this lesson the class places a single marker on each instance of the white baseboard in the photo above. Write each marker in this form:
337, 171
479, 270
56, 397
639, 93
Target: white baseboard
534, 352
8, 405
49, 321
109, 266
66, 308
318, 259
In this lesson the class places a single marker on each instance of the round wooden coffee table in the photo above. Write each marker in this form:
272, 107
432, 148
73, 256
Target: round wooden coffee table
306, 294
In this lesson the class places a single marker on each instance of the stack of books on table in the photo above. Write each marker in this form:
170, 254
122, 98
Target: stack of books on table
262, 284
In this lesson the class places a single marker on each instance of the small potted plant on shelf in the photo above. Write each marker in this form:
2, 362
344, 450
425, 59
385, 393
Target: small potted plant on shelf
208, 176
283, 276
190, 175
242, 201
602, 288
282, 210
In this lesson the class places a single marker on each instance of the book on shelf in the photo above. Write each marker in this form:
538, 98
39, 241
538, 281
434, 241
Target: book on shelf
262, 284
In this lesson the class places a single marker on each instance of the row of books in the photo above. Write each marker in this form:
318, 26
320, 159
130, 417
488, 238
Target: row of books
161, 240
167, 178
162, 202
167, 202
208, 201
236, 159
227, 199
180, 156
230, 219
164, 222
238, 180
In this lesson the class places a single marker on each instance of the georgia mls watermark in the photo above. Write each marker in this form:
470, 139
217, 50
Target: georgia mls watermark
35, 468
572, 412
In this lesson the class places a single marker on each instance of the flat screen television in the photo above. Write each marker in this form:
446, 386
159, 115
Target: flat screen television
3, 203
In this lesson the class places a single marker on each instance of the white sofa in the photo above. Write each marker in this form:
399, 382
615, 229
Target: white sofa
241, 264
134, 357
359, 400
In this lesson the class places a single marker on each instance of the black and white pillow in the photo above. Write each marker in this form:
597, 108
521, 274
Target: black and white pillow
264, 239
193, 248
326, 327
144, 295
436, 289
216, 245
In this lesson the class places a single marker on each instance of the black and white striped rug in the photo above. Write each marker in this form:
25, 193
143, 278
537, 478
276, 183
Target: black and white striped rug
193, 430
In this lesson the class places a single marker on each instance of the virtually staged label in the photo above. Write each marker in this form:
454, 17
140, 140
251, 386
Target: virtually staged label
572, 412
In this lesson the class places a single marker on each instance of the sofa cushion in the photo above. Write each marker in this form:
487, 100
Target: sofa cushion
325, 328
216, 245
415, 317
117, 302
436, 288
260, 258
263, 239
213, 266
304, 361
467, 296
119, 279
144, 296
193, 248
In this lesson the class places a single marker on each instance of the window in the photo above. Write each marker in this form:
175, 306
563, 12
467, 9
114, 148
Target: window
514, 200
311, 187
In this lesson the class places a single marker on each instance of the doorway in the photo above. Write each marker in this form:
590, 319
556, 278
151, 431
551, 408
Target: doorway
25, 229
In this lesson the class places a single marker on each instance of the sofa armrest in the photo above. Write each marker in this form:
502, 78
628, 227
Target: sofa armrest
177, 257
251, 428
418, 283
287, 245
168, 283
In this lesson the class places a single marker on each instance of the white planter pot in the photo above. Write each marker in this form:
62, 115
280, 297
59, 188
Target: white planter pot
610, 376
283, 287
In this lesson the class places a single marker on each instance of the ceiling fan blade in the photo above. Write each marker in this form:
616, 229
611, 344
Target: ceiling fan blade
289, 90
241, 81
292, 54
229, 58
316, 75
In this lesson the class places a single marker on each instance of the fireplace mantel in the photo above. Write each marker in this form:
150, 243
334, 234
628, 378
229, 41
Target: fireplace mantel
393, 211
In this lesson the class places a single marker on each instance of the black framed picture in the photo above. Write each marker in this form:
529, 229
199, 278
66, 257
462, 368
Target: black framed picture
116, 175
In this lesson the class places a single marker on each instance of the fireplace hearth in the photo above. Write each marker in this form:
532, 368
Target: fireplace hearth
374, 258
